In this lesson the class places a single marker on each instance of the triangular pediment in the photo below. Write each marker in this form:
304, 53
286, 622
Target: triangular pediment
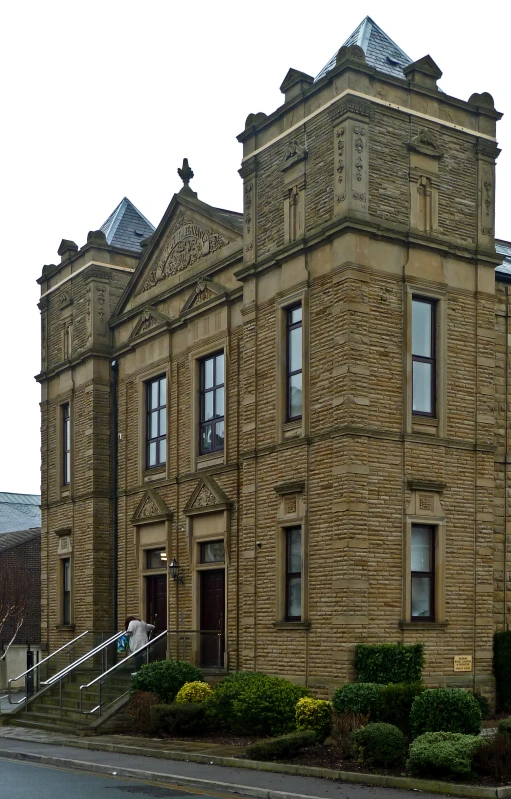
151, 508
204, 291
207, 495
149, 319
190, 236
425, 65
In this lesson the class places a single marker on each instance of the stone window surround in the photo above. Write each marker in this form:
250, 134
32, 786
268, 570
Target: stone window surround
290, 494
298, 427
149, 383
66, 553
214, 346
65, 489
416, 423
143, 378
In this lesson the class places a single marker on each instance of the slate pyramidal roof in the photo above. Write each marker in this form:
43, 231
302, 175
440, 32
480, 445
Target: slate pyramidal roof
19, 512
380, 51
127, 227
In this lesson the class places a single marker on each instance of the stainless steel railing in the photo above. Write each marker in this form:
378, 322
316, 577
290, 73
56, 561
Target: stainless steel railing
70, 645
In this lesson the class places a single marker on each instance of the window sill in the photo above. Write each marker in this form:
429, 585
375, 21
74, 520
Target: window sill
425, 424
211, 459
156, 473
291, 625
70, 627
423, 625
65, 492
292, 429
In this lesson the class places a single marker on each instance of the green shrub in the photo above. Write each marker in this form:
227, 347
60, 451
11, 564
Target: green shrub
314, 714
194, 692
359, 697
178, 718
446, 710
442, 754
379, 744
386, 663
396, 703
139, 709
283, 746
342, 728
252, 702
164, 678
484, 705
505, 726
493, 757
502, 668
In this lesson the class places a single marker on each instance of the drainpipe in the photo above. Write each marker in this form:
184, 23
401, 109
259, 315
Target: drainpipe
115, 460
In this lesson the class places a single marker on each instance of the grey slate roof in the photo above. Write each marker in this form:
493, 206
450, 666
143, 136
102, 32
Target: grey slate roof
9, 540
126, 227
381, 52
19, 512
504, 249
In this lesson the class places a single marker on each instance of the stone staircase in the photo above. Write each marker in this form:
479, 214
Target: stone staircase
58, 710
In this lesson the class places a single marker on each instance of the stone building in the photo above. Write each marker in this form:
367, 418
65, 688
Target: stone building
304, 407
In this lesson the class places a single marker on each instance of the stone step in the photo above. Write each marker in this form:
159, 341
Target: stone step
50, 726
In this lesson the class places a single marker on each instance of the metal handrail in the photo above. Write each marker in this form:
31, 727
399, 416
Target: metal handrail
69, 668
112, 669
37, 665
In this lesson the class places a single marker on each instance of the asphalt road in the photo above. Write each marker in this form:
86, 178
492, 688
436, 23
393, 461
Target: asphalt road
30, 780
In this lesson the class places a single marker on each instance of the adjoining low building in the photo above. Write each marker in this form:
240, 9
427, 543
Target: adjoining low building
302, 410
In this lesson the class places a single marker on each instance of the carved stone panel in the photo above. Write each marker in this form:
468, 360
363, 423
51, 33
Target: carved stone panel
487, 152
249, 219
351, 174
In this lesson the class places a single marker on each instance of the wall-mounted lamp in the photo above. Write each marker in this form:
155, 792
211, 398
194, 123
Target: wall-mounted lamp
174, 568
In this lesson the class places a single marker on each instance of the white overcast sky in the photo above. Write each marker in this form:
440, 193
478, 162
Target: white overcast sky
102, 100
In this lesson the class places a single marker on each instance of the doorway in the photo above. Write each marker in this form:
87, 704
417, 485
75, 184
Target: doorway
156, 601
212, 609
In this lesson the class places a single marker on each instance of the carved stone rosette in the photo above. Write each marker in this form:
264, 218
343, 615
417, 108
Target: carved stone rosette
351, 160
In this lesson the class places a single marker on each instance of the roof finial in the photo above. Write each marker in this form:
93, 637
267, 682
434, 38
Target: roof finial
185, 173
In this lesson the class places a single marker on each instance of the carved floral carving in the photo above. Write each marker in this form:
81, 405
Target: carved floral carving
147, 321
202, 293
149, 508
204, 498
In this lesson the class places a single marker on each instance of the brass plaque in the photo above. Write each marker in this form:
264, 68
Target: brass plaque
462, 662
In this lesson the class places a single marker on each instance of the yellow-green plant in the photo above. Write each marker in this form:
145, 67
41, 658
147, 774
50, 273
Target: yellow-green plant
314, 714
194, 692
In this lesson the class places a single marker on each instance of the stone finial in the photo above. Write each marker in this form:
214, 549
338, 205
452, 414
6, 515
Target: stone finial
484, 99
96, 237
67, 247
423, 72
185, 173
350, 53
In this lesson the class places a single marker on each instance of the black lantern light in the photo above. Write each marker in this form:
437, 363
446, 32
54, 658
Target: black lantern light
174, 568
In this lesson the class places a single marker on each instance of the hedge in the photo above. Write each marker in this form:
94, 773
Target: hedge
446, 710
502, 668
442, 754
379, 745
284, 746
389, 663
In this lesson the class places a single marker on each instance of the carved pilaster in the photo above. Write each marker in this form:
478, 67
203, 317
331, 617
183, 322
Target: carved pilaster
248, 173
487, 152
44, 340
351, 162
97, 313
293, 167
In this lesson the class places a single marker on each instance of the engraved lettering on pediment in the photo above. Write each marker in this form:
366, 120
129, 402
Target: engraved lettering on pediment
204, 498
188, 243
202, 294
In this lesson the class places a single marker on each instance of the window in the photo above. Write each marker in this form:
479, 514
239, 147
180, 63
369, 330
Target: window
293, 573
212, 432
423, 573
66, 590
423, 357
294, 363
156, 428
212, 552
156, 559
66, 444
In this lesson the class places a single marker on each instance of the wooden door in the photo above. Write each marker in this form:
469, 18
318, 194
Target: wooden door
212, 609
156, 601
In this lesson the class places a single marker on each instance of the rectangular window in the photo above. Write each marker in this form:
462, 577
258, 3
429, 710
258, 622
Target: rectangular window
66, 444
423, 357
423, 573
294, 363
156, 559
66, 590
293, 573
212, 552
212, 395
156, 425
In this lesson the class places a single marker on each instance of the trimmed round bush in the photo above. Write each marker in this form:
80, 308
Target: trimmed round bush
314, 714
252, 702
445, 710
179, 718
358, 697
396, 701
379, 744
196, 692
164, 678
442, 754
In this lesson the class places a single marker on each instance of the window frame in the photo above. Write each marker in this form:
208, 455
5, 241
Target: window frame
431, 361
148, 411
292, 575
214, 420
431, 574
66, 607
66, 443
290, 326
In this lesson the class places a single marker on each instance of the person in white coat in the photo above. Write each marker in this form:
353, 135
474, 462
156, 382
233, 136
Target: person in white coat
139, 633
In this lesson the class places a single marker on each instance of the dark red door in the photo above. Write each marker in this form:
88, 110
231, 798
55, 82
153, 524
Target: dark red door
156, 601
212, 605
